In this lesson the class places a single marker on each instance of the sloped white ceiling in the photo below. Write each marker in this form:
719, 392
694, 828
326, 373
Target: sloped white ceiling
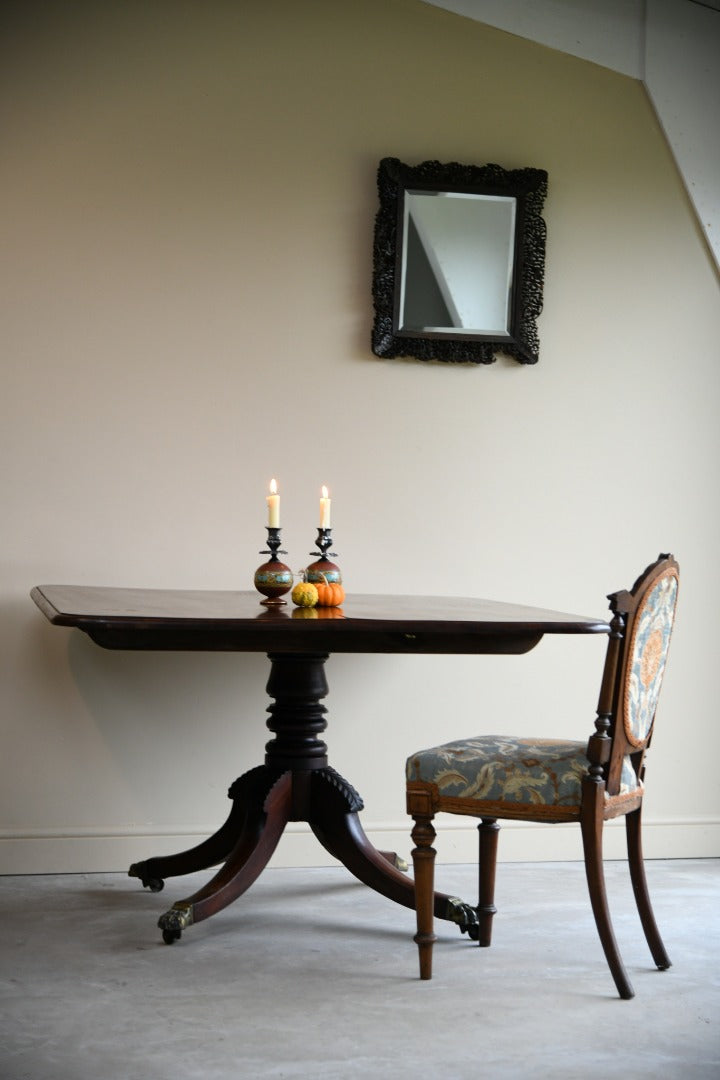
672, 46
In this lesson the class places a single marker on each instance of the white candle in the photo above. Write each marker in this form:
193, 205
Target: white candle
324, 509
273, 502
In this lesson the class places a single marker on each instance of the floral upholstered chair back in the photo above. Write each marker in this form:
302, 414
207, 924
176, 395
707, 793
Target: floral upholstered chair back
649, 612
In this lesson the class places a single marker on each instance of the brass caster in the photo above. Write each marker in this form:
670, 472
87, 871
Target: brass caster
154, 884
464, 915
174, 921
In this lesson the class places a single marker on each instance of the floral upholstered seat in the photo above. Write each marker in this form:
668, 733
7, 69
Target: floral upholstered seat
556, 780
515, 771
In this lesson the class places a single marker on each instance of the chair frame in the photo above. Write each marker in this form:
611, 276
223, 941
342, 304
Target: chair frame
601, 800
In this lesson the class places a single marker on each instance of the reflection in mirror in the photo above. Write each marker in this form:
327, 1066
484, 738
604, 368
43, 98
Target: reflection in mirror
456, 265
458, 261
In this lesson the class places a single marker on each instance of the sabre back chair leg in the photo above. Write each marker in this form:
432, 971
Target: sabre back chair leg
592, 829
633, 830
423, 857
488, 831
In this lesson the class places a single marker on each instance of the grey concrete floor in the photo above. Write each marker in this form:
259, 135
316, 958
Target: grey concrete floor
310, 974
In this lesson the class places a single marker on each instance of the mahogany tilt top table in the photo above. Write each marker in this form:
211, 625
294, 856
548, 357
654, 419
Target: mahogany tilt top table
295, 783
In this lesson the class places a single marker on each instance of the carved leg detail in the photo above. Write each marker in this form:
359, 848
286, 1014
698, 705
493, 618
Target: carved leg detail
344, 837
333, 818
488, 831
633, 829
264, 826
423, 857
215, 849
592, 828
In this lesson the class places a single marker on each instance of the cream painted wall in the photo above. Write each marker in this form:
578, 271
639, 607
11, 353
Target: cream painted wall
672, 45
188, 196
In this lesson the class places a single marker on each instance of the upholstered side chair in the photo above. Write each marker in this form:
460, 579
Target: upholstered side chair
552, 780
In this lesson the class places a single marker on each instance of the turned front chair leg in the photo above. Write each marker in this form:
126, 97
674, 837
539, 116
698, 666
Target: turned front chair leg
423, 857
488, 831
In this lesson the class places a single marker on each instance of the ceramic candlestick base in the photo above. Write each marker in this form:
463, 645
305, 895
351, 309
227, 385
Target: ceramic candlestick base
273, 579
323, 569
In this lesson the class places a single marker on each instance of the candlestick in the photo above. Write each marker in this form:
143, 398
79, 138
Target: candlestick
273, 578
323, 569
324, 509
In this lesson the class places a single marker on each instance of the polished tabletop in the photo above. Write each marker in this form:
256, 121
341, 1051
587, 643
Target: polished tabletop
175, 619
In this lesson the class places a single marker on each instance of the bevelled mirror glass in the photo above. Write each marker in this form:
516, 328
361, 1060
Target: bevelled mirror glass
459, 259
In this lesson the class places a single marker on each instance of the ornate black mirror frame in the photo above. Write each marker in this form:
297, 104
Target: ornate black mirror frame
528, 187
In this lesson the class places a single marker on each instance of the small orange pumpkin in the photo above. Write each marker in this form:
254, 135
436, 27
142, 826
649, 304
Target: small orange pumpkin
330, 593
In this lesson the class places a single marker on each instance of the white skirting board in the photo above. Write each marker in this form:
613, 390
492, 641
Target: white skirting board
110, 850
